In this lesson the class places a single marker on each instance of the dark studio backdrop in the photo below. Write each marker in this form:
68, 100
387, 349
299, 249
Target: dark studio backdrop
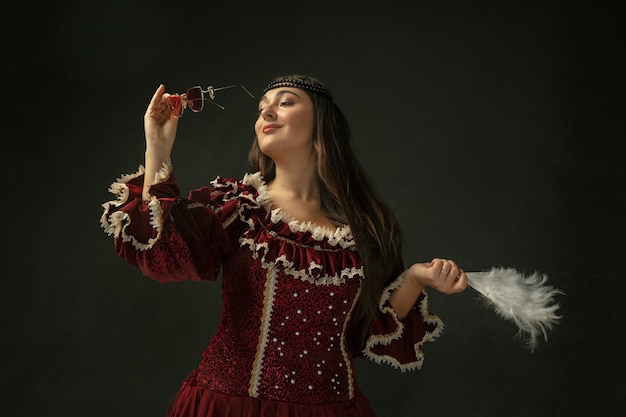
492, 128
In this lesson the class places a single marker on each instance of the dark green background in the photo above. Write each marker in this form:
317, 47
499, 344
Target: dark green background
493, 128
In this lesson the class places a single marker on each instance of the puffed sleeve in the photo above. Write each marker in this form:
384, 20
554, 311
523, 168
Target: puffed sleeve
168, 237
399, 342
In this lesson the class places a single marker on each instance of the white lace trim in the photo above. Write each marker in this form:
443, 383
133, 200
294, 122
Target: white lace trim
388, 338
303, 274
117, 223
341, 236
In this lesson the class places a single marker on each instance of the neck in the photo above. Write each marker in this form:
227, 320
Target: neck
298, 180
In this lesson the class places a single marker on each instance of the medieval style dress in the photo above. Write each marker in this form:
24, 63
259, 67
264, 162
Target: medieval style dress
285, 343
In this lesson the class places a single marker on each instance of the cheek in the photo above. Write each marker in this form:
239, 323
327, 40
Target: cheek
307, 125
302, 122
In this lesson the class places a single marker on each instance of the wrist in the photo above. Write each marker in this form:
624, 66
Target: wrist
412, 276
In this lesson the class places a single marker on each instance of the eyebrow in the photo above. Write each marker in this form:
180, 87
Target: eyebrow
279, 93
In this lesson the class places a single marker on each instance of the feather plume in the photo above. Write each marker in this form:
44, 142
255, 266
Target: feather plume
524, 300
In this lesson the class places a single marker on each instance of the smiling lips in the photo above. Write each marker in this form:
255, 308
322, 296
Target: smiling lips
270, 128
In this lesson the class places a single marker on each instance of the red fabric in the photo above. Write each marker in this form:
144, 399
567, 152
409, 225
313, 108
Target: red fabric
283, 346
196, 401
189, 249
403, 349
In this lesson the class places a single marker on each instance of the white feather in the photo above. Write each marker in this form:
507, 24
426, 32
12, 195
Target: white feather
524, 300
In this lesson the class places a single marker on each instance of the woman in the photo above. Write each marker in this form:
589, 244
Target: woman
310, 256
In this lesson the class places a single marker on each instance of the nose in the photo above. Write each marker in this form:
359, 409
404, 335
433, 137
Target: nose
268, 113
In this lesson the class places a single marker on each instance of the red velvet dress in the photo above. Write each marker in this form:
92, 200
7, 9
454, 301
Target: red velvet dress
283, 346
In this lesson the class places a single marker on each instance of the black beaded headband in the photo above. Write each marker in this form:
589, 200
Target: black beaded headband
303, 85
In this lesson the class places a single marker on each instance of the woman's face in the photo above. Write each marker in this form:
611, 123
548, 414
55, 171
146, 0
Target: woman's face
285, 124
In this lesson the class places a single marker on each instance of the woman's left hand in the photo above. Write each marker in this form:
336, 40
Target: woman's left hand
440, 274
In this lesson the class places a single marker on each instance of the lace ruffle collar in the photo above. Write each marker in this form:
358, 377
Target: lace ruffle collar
342, 235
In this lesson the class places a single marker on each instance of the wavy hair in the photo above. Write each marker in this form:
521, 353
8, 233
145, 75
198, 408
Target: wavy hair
348, 197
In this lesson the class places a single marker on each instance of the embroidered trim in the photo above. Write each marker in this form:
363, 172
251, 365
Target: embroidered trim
298, 244
342, 236
385, 339
305, 275
230, 220
268, 305
117, 223
346, 357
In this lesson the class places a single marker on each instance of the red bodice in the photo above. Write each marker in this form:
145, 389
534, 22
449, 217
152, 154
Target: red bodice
289, 290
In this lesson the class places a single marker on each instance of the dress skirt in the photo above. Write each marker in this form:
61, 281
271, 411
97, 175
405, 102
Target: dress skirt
198, 401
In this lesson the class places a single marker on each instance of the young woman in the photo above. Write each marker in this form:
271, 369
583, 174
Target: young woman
309, 254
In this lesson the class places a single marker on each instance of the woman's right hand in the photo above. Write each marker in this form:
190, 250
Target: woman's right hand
160, 124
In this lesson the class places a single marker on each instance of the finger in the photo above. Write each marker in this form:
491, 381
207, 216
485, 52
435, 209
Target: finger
436, 264
454, 269
446, 267
459, 274
154, 108
454, 275
460, 283
156, 97
439, 269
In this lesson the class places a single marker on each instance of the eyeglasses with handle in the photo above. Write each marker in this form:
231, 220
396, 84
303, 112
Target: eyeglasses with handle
195, 97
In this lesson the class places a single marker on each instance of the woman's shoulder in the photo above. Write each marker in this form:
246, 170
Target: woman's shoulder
223, 189
250, 197
250, 182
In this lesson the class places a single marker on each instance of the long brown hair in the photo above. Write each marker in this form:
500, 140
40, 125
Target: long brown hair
348, 197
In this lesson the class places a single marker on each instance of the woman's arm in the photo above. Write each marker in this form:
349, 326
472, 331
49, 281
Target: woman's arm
160, 126
440, 274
